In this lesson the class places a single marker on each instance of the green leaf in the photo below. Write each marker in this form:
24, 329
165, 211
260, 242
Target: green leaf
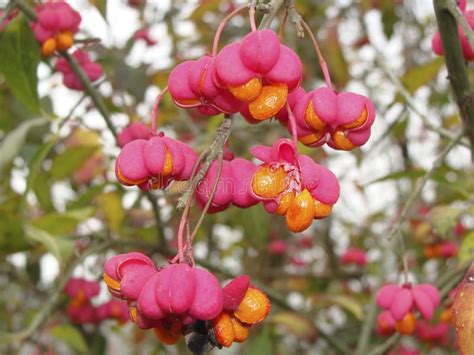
63, 223
44, 238
466, 251
102, 7
42, 190
11, 146
71, 336
20, 55
70, 160
444, 219
421, 75
110, 204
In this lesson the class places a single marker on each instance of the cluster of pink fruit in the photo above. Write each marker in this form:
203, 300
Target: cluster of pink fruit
400, 303
467, 50
55, 26
178, 299
80, 309
260, 78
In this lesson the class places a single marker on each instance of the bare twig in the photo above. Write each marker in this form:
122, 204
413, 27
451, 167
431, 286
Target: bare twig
272, 7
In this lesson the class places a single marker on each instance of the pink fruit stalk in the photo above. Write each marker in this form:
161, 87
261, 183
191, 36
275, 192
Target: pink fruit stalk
260, 72
191, 84
132, 132
233, 187
354, 256
154, 163
70, 80
293, 185
342, 120
400, 300
55, 27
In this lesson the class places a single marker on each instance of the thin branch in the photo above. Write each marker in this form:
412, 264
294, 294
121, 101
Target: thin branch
411, 103
382, 348
272, 9
53, 300
412, 198
294, 17
217, 147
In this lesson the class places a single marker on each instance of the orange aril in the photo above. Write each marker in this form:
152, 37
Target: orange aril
341, 141
169, 333
111, 283
312, 119
321, 210
269, 181
241, 332
254, 307
127, 181
132, 311
168, 164
48, 47
301, 212
224, 329
446, 316
407, 325
64, 40
188, 102
429, 251
272, 99
248, 91
359, 121
285, 202
311, 138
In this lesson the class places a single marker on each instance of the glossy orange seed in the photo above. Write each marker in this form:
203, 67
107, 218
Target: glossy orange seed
224, 329
272, 99
111, 283
285, 203
241, 331
48, 47
248, 91
341, 141
301, 212
407, 325
359, 121
312, 119
64, 40
269, 181
311, 138
321, 210
254, 307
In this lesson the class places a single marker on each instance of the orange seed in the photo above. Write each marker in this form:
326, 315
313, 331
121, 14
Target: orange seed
269, 181
301, 212
272, 99
254, 307
407, 325
248, 91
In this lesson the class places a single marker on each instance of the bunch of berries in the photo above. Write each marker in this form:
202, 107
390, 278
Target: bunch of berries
400, 303
80, 309
178, 299
55, 27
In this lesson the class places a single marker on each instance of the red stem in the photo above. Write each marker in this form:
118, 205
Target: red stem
154, 113
292, 121
322, 62
222, 25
